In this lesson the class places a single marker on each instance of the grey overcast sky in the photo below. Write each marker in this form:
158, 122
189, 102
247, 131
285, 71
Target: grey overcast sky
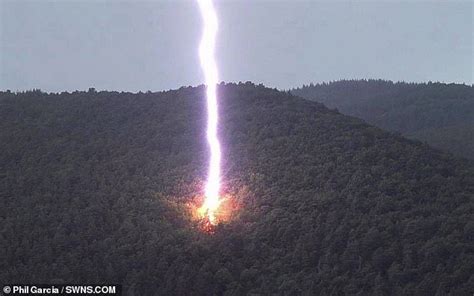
152, 45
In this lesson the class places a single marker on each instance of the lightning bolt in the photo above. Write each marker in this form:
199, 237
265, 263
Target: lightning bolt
209, 67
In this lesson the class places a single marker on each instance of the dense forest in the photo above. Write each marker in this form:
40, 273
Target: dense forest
439, 114
95, 187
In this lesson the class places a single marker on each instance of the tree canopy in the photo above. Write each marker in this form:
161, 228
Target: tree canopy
94, 188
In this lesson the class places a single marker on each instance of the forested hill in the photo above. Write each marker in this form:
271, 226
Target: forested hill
95, 188
438, 113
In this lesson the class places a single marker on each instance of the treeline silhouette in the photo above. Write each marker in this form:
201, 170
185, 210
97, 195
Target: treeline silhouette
440, 114
95, 188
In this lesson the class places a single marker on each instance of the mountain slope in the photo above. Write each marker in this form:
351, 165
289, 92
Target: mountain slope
95, 187
440, 114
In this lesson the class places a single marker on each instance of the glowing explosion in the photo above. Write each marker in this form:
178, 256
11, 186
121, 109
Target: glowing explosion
208, 64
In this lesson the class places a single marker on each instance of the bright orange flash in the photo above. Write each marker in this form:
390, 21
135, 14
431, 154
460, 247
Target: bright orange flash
209, 66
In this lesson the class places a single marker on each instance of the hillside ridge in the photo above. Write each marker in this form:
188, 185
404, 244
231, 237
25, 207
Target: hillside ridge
440, 114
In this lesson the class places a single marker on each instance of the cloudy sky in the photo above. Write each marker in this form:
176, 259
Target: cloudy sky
152, 45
